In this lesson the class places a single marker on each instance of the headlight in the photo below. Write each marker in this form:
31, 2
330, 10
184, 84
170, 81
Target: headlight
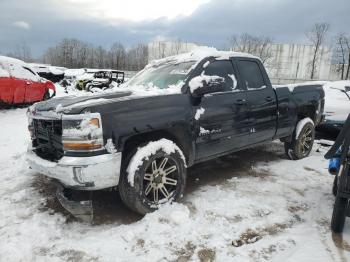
83, 134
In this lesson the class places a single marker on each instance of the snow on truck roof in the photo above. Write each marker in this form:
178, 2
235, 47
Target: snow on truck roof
199, 54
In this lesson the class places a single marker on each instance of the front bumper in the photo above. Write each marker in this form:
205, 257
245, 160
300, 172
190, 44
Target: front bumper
83, 173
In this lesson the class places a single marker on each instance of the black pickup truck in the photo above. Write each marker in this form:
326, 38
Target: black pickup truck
175, 113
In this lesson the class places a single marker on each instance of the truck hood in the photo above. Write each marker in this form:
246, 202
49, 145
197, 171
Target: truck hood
68, 103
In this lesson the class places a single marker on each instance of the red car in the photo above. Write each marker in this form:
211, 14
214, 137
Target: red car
19, 84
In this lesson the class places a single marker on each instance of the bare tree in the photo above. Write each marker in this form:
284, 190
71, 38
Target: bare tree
316, 36
161, 49
347, 43
340, 52
256, 45
177, 46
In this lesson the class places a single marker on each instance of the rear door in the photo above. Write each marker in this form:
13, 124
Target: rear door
261, 98
221, 117
35, 89
18, 84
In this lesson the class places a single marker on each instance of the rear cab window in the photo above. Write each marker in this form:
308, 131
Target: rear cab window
251, 74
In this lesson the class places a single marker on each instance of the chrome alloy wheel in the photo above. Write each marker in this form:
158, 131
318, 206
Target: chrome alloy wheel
306, 141
160, 180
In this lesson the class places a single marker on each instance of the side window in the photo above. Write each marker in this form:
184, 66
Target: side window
251, 75
224, 69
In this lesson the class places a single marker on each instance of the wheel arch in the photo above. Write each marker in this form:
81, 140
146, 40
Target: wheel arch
179, 134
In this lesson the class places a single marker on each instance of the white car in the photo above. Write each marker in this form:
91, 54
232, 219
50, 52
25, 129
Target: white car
337, 105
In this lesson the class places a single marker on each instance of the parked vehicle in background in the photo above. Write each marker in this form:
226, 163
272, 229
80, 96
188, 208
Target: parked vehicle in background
84, 79
175, 113
53, 73
20, 84
105, 78
71, 75
337, 106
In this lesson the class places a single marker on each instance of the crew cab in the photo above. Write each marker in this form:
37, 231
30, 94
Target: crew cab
142, 136
19, 84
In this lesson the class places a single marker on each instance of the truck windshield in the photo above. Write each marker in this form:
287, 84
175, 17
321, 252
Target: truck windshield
162, 76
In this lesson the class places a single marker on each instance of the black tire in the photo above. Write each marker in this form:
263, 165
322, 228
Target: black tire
301, 146
88, 87
147, 178
335, 186
46, 96
339, 214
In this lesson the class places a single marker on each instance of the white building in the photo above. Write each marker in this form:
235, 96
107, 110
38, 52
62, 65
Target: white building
292, 63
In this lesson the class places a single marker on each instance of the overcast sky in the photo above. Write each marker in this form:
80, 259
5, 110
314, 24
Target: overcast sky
42, 23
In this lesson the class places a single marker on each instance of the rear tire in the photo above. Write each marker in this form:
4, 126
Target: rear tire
301, 146
158, 178
46, 96
339, 214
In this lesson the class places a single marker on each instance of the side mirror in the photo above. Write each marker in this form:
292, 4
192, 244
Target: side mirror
347, 88
202, 86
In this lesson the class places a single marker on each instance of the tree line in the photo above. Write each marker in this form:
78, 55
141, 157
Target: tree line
74, 53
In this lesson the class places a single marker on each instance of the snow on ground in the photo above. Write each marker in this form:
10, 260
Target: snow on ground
251, 206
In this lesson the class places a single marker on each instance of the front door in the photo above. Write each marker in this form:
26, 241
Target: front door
221, 117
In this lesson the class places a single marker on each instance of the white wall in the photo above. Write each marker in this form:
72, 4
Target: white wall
292, 61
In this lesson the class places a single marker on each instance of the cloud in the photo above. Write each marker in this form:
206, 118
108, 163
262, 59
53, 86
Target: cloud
135, 10
21, 24
209, 23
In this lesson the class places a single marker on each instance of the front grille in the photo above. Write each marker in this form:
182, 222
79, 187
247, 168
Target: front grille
47, 141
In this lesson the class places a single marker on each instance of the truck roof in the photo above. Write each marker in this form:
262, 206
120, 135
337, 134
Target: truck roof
199, 54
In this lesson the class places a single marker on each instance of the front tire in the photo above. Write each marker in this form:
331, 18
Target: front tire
339, 214
301, 146
152, 176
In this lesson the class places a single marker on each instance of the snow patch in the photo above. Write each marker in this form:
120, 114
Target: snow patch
198, 81
199, 112
301, 125
143, 153
206, 64
233, 77
110, 147
203, 131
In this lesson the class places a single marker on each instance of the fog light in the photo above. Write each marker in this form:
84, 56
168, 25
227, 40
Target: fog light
78, 174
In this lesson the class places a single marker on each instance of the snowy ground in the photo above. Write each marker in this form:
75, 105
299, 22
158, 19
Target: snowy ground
252, 206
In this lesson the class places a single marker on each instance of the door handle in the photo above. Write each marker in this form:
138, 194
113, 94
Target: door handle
28, 83
268, 98
240, 102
